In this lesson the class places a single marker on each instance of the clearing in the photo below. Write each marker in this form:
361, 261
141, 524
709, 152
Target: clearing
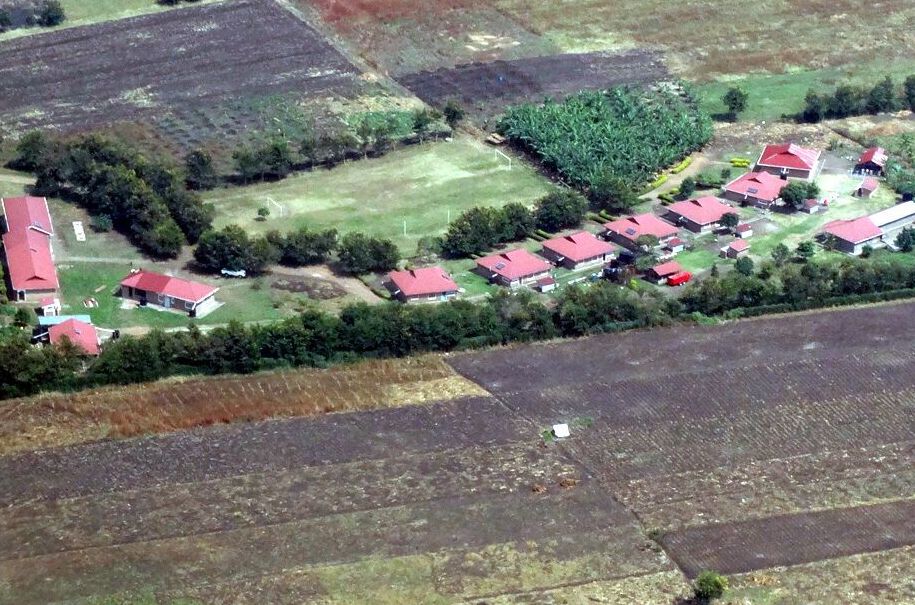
461, 501
425, 185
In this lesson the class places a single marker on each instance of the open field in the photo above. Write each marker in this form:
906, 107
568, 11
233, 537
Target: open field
217, 61
422, 184
460, 501
487, 88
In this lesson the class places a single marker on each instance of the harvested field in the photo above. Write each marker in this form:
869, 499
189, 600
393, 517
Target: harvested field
792, 539
183, 60
782, 441
486, 88
53, 420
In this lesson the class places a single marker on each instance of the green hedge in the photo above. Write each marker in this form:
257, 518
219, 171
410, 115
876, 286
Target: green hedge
682, 165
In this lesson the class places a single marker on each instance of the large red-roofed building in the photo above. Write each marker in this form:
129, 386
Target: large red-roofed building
81, 334
577, 250
626, 231
699, 215
755, 189
513, 268
27, 246
170, 292
789, 160
425, 284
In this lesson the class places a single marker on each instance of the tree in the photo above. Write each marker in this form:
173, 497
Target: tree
687, 187
905, 241
744, 266
846, 101
780, 254
517, 222
102, 223
232, 249
359, 254
5, 20
262, 213
23, 317
730, 220
709, 585
51, 13
796, 192
735, 99
612, 193
474, 231
31, 151
909, 88
199, 171
308, 148
422, 121
814, 107
882, 97
806, 250
560, 209
303, 246
644, 262
647, 242
453, 112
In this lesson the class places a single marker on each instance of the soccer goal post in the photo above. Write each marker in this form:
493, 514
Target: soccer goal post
497, 154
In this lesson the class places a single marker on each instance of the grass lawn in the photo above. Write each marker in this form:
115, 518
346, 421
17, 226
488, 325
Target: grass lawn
421, 184
244, 300
698, 260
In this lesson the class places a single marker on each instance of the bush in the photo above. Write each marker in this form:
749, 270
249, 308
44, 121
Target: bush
660, 180
359, 254
682, 165
102, 223
50, 14
232, 249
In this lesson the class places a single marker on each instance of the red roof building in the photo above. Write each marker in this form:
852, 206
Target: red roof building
81, 334
737, 248
660, 273
513, 268
853, 234
170, 292
788, 159
27, 244
627, 230
872, 161
700, 214
867, 187
577, 250
756, 188
427, 283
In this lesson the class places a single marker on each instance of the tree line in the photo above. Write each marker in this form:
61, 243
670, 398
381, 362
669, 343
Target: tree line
319, 339
847, 100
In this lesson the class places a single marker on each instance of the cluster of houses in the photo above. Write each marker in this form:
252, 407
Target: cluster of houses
32, 277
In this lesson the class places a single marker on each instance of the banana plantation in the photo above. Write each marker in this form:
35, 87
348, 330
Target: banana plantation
620, 133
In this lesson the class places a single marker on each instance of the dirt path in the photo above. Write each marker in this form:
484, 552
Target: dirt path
353, 286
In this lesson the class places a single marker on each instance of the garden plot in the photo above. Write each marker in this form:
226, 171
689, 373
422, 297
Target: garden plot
143, 67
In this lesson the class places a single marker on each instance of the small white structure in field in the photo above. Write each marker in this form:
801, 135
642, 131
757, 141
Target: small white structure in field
561, 431
79, 231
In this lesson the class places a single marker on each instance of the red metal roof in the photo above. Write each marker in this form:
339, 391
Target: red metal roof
703, 211
579, 246
668, 268
175, 287
758, 185
869, 184
744, 227
877, 155
81, 334
739, 245
789, 155
426, 281
514, 264
28, 255
855, 230
27, 212
632, 227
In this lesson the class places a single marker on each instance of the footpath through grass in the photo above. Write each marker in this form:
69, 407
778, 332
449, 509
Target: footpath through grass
424, 185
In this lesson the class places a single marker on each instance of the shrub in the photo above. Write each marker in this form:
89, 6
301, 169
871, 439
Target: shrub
682, 165
50, 14
359, 253
710, 585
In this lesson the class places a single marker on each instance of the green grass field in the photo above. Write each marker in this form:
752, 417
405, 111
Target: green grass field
423, 185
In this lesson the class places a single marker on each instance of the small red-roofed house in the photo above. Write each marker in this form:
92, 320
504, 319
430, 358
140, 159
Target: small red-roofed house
744, 230
872, 161
426, 285
736, 249
789, 160
755, 189
626, 231
513, 268
577, 250
852, 235
699, 215
867, 187
169, 292
82, 335
27, 247
660, 273
675, 245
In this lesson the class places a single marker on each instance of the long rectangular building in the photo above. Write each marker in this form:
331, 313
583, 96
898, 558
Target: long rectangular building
27, 248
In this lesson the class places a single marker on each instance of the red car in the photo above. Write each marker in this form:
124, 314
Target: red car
678, 279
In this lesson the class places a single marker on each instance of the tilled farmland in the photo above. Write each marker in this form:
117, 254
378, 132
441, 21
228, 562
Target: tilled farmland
85, 77
768, 449
490, 86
